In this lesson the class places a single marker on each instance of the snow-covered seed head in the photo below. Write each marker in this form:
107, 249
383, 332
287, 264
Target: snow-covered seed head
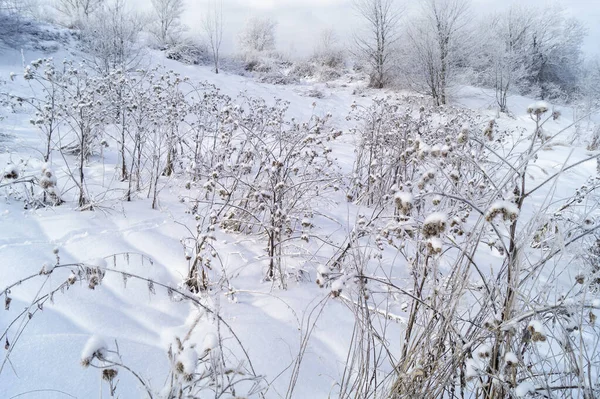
491, 323
403, 202
11, 172
511, 359
94, 348
434, 225
434, 246
484, 351
536, 329
508, 210
463, 136
489, 130
93, 282
336, 288
538, 108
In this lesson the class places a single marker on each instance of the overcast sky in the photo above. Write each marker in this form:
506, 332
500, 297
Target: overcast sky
301, 21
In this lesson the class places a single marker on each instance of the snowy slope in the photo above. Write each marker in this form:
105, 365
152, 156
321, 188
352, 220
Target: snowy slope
44, 361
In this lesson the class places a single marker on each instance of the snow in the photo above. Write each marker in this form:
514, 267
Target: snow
472, 368
47, 267
210, 342
405, 198
539, 107
435, 244
524, 388
11, 171
337, 286
97, 262
188, 359
94, 347
536, 326
508, 210
511, 358
436, 218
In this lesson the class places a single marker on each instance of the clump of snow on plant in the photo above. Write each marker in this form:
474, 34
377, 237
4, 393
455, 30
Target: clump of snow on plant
435, 224
47, 268
511, 359
187, 361
538, 107
524, 389
94, 348
403, 201
210, 342
537, 330
508, 210
434, 245
48, 179
11, 171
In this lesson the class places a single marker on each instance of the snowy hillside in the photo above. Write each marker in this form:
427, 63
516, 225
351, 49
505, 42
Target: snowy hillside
261, 242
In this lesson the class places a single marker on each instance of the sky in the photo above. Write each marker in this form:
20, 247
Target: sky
301, 21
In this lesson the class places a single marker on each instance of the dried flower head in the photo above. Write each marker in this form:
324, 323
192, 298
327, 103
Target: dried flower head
109, 374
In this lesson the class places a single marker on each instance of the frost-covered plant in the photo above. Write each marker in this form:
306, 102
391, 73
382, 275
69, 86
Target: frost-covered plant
200, 362
272, 175
43, 74
473, 349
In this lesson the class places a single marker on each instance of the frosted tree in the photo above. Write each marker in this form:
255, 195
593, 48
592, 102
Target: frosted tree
555, 53
78, 12
436, 40
213, 29
375, 44
258, 35
167, 27
111, 39
507, 40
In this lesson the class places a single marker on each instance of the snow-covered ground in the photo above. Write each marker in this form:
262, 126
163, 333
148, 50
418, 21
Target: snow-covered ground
44, 361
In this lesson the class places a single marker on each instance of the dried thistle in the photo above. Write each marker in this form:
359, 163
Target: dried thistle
109, 374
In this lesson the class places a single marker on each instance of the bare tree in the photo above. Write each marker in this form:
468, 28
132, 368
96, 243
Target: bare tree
375, 44
213, 28
508, 34
436, 39
111, 39
258, 35
555, 52
78, 11
168, 20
